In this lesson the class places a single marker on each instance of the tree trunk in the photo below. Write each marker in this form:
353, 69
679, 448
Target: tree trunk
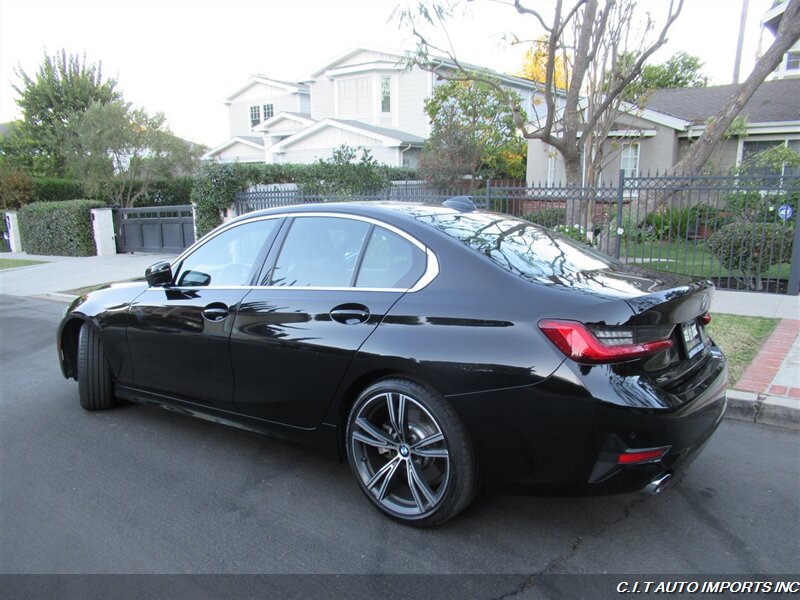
787, 35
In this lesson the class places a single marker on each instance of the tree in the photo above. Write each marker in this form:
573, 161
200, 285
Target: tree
534, 64
118, 151
596, 36
681, 70
472, 133
785, 37
63, 87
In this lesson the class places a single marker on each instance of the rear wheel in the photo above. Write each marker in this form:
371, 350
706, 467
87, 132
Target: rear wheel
95, 386
410, 453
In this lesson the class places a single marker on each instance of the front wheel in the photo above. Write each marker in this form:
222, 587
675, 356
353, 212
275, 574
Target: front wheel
410, 453
95, 386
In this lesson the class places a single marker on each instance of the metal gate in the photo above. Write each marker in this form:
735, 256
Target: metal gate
154, 229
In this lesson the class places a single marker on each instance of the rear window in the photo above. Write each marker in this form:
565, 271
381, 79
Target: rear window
523, 248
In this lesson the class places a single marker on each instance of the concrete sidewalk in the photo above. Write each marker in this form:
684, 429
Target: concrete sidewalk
768, 392
59, 274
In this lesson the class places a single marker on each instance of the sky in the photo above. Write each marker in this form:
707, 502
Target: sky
183, 57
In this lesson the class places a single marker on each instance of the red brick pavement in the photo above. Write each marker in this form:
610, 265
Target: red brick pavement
759, 375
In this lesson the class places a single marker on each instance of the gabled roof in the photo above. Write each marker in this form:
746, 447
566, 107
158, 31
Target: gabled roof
436, 61
774, 101
352, 52
389, 137
248, 140
293, 88
301, 118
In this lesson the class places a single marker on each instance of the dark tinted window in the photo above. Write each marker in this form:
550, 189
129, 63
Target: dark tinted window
390, 262
228, 258
519, 246
320, 252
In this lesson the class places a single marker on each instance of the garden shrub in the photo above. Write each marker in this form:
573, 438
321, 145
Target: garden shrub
215, 184
752, 248
16, 188
754, 207
58, 228
575, 232
49, 189
548, 217
167, 192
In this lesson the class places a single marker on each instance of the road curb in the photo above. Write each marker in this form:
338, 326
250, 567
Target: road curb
57, 297
766, 410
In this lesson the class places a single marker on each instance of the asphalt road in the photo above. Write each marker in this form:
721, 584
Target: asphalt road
142, 490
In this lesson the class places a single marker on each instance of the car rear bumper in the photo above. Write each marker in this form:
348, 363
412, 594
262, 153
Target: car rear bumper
563, 437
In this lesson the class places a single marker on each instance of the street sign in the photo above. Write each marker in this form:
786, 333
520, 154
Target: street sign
785, 212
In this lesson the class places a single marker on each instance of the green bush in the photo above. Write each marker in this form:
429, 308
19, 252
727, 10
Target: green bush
753, 207
671, 224
48, 189
3, 243
167, 192
752, 248
575, 232
548, 217
215, 184
16, 188
58, 228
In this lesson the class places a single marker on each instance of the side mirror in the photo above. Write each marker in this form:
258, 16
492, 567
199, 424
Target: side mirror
159, 274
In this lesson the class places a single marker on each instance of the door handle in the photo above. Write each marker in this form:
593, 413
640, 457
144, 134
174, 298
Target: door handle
216, 311
350, 314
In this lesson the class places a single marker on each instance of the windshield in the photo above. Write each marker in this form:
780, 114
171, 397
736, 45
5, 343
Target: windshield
519, 246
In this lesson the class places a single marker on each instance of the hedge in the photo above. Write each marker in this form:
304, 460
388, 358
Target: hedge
58, 228
216, 184
48, 189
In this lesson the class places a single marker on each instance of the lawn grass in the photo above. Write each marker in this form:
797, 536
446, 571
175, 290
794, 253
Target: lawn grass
740, 339
11, 263
687, 258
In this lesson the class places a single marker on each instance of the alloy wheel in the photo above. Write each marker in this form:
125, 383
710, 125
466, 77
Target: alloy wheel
401, 454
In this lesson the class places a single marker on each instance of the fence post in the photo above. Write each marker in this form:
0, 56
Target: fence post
486, 202
794, 269
620, 200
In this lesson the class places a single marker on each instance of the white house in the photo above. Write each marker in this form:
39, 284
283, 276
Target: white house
365, 97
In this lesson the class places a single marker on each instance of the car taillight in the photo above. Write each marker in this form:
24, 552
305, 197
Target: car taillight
706, 319
644, 455
605, 344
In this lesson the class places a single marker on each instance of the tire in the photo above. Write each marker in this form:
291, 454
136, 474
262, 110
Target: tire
95, 386
410, 453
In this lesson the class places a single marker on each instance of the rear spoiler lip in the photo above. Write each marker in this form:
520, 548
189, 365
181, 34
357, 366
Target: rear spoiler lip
674, 305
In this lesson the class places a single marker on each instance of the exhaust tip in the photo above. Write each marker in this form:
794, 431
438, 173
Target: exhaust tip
658, 484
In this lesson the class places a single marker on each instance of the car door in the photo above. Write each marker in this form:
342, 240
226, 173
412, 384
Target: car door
179, 334
333, 280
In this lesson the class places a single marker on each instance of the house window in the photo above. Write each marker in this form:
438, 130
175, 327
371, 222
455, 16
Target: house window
386, 94
750, 151
551, 169
269, 111
792, 61
792, 171
355, 96
629, 159
255, 115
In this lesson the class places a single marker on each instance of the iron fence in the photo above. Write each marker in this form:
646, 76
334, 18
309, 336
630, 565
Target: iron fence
738, 231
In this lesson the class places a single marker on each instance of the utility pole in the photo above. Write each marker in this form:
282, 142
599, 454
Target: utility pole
742, 23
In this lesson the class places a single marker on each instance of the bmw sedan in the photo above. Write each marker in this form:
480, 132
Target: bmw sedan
437, 349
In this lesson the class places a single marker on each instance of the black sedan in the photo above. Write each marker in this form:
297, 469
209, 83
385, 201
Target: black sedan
437, 348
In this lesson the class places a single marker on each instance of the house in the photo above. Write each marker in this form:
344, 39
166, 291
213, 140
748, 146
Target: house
365, 97
655, 137
790, 65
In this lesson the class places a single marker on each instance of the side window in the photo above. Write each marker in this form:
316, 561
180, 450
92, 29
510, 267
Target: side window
390, 261
228, 258
320, 252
